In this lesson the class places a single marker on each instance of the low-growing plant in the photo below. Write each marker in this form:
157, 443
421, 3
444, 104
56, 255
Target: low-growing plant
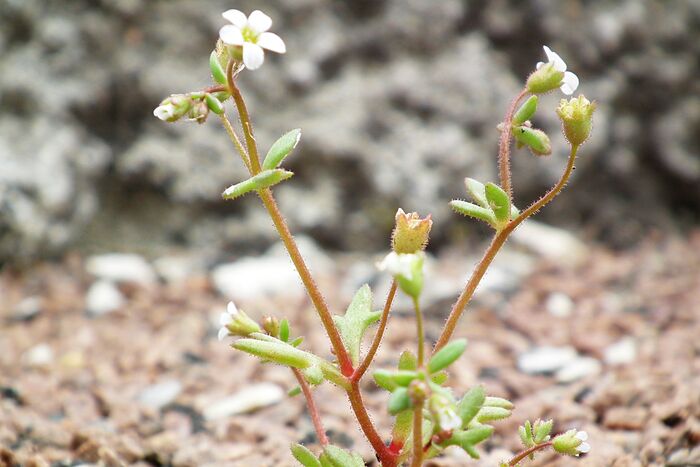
428, 415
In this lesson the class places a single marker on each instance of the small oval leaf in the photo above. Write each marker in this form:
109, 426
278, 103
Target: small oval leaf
304, 456
217, 71
447, 355
281, 149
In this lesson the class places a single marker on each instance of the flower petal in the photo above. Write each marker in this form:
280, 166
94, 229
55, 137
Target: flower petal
539, 65
236, 17
231, 309
584, 447
225, 319
231, 35
164, 112
569, 83
271, 41
554, 58
582, 435
259, 21
223, 332
253, 56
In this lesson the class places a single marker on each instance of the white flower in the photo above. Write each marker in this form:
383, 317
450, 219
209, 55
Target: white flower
251, 34
583, 447
165, 112
398, 264
225, 319
449, 420
570, 81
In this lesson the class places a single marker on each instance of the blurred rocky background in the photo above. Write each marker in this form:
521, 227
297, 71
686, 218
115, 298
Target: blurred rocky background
398, 101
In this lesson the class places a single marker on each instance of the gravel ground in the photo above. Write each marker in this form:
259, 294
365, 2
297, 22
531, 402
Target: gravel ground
149, 384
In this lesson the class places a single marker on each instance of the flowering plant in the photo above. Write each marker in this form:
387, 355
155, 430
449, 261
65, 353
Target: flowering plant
428, 415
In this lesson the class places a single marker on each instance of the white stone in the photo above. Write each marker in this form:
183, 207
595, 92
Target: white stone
27, 309
39, 355
250, 278
103, 297
175, 269
559, 304
621, 352
550, 242
577, 369
251, 398
546, 359
160, 394
121, 267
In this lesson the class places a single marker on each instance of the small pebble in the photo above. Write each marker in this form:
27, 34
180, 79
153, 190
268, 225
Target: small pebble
251, 398
121, 267
621, 352
577, 369
160, 394
39, 356
559, 304
103, 297
27, 309
546, 359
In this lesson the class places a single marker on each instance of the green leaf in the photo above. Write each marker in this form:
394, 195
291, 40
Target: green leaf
313, 374
399, 401
281, 149
477, 190
447, 355
498, 402
475, 435
264, 179
217, 71
472, 210
385, 380
542, 430
358, 317
470, 404
526, 111
404, 377
304, 456
490, 414
295, 391
408, 361
341, 458
499, 201
402, 426
284, 330
297, 341
214, 104
276, 351
439, 378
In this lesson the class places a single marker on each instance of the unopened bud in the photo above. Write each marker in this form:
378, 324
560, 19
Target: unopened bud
173, 108
536, 140
198, 112
571, 443
576, 116
411, 232
418, 391
271, 325
544, 79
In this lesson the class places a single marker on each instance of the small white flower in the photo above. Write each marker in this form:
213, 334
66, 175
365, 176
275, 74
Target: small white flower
449, 420
583, 447
225, 319
165, 112
251, 34
398, 264
570, 81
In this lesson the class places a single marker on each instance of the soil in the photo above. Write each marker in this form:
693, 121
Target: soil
82, 403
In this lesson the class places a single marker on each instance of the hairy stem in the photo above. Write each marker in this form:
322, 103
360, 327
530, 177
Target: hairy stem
417, 460
362, 368
496, 244
311, 404
522, 455
504, 146
245, 120
386, 457
420, 333
236, 141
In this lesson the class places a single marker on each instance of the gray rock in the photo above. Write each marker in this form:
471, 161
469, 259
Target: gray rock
578, 368
103, 297
546, 359
121, 267
247, 400
160, 394
550, 242
621, 352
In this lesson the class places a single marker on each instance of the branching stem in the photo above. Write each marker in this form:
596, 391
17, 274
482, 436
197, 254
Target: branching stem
504, 146
522, 455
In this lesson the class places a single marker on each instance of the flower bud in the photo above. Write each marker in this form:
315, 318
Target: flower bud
271, 325
411, 232
544, 79
576, 116
536, 140
526, 111
198, 112
418, 391
407, 269
173, 108
444, 413
571, 443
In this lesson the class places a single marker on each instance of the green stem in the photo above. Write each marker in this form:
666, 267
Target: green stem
417, 435
420, 333
236, 141
311, 404
522, 455
362, 368
245, 119
498, 240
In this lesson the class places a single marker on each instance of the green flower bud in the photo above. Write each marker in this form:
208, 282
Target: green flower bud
541, 430
198, 112
526, 111
576, 117
544, 79
536, 140
173, 108
271, 325
411, 232
418, 391
571, 443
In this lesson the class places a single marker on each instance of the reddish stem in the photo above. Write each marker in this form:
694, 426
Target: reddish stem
504, 146
520, 456
311, 404
387, 457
